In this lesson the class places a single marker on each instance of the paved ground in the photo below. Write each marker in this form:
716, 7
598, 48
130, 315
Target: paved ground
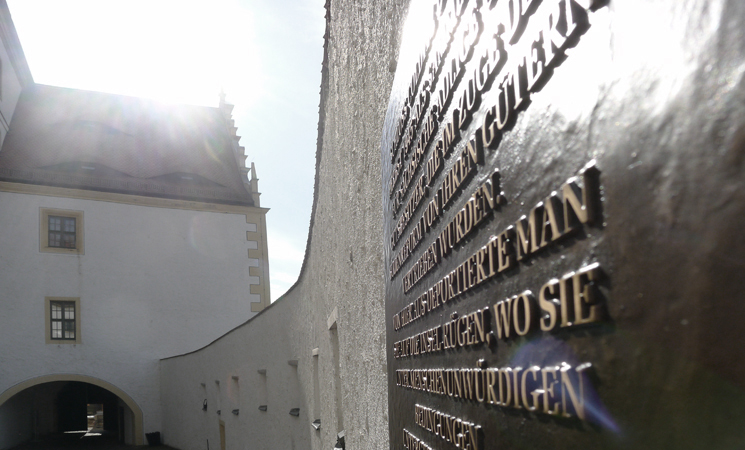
72, 441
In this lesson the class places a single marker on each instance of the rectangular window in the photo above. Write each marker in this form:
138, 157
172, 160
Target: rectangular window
63, 320
61, 231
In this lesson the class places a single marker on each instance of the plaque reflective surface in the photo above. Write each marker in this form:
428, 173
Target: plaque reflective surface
562, 225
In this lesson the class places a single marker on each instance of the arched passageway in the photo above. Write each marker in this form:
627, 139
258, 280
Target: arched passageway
68, 406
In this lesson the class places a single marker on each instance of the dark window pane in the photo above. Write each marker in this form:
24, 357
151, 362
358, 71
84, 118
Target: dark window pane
68, 241
69, 330
54, 224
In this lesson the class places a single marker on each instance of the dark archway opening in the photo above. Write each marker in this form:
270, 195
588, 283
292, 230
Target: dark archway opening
62, 413
77, 403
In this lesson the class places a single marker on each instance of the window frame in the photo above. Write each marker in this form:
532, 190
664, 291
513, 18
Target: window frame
44, 247
48, 302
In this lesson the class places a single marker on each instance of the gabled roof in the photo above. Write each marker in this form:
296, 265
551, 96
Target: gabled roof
91, 140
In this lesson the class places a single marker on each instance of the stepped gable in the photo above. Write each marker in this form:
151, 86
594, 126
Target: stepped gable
96, 141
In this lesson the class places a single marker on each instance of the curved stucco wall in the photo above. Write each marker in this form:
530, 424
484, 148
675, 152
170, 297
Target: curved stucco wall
341, 372
241, 371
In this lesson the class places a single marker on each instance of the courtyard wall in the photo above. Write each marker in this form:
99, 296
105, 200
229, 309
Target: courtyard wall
331, 322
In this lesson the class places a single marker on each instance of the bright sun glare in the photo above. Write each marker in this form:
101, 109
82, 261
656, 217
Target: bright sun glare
168, 50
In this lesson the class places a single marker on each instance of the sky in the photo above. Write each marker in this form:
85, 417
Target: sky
266, 56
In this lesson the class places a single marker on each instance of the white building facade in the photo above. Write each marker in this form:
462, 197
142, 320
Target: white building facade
152, 282
130, 232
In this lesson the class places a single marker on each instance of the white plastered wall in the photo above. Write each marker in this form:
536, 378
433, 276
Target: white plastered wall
236, 373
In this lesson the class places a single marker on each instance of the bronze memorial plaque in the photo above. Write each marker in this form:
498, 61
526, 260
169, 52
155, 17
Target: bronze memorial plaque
564, 202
